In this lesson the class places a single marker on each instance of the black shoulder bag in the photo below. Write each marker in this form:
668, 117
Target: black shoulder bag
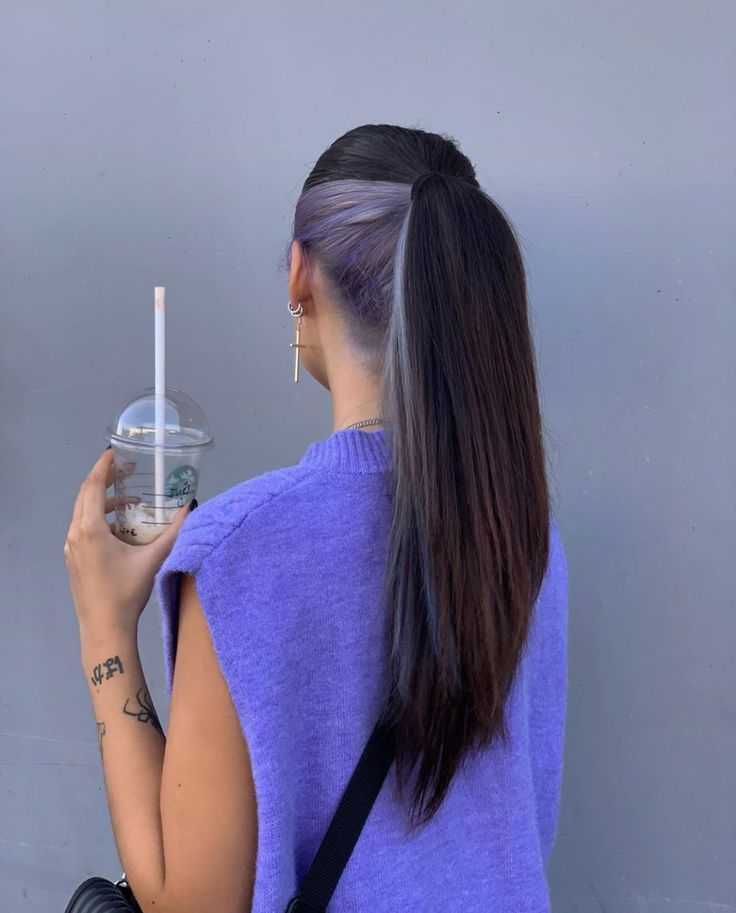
99, 895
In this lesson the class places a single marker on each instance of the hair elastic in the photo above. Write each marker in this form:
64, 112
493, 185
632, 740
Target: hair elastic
422, 178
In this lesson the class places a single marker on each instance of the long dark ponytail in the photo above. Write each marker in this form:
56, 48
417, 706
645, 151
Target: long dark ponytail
434, 290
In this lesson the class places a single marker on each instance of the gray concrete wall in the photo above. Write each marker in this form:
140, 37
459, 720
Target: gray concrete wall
165, 143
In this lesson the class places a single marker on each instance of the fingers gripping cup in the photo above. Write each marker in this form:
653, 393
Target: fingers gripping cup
155, 477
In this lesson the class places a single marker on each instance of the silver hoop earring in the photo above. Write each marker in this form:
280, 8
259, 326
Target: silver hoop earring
296, 345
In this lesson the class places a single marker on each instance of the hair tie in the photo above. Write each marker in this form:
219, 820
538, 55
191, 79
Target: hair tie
422, 178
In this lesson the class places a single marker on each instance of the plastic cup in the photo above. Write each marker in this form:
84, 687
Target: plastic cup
142, 513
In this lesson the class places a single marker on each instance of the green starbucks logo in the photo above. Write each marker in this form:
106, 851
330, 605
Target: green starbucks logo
181, 485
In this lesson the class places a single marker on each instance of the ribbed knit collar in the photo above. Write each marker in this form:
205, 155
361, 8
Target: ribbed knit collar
350, 450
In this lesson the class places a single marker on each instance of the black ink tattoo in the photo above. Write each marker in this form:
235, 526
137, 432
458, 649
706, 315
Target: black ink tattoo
147, 713
113, 664
100, 733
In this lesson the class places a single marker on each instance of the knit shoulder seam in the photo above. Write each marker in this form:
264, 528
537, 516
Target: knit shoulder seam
288, 486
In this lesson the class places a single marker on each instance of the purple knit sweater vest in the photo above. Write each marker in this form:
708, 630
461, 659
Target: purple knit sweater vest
288, 567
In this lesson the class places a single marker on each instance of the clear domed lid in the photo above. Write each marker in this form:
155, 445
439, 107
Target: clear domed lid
185, 424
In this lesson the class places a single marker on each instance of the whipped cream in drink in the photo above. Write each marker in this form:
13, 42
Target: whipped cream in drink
137, 524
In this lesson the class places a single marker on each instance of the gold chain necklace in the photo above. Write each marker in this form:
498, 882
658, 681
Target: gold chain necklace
367, 421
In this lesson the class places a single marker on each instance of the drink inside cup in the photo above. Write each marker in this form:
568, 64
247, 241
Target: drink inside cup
153, 480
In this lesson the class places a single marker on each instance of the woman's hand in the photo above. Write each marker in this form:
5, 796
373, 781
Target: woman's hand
111, 581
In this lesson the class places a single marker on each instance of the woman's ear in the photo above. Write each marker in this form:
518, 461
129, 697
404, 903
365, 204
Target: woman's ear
299, 284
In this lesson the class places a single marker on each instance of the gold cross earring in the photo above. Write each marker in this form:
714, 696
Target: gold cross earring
296, 312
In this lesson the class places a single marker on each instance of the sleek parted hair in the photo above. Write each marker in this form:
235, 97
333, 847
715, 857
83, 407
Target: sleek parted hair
433, 292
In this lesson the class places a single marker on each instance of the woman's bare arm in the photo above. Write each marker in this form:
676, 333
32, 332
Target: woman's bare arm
183, 808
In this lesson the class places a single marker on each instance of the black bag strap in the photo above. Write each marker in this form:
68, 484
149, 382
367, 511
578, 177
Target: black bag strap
318, 886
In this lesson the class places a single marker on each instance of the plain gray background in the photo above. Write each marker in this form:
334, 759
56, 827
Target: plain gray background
166, 143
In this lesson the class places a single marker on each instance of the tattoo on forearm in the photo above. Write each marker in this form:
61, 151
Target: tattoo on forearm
113, 664
100, 733
147, 713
